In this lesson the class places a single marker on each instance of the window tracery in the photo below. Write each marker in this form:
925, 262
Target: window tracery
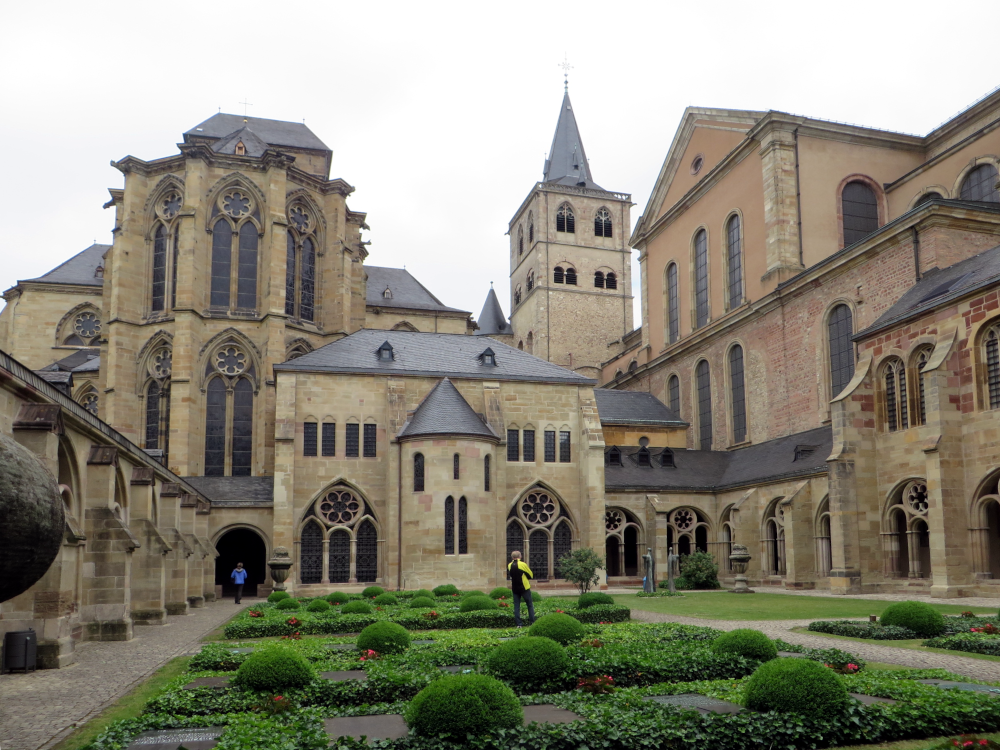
300, 268
896, 407
86, 329
565, 220
157, 400
342, 521
89, 402
687, 531
602, 223
905, 532
540, 519
229, 398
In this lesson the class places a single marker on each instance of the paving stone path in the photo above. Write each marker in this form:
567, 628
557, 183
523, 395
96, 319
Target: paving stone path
39, 709
977, 669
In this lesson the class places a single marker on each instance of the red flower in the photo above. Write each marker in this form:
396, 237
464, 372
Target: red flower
967, 743
984, 742
279, 697
559, 611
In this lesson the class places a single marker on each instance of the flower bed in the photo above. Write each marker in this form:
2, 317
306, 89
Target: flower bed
973, 642
953, 625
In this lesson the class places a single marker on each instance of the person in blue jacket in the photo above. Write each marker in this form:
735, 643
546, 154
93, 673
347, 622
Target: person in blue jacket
239, 577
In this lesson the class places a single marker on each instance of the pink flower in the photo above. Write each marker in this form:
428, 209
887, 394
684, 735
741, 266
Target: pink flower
279, 697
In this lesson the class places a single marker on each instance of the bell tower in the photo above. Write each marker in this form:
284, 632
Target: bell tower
570, 263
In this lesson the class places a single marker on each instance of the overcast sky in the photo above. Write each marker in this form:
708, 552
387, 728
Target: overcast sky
440, 114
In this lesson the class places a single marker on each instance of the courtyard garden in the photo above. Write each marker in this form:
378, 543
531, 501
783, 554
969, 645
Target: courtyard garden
445, 669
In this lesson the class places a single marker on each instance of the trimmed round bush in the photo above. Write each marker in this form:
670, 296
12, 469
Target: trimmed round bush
419, 602
372, 591
384, 637
423, 592
800, 685
535, 596
274, 667
746, 642
593, 597
477, 604
318, 605
445, 589
277, 596
528, 661
501, 593
473, 592
383, 600
357, 608
921, 618
559, 627
288, 604
464, 704
338, 597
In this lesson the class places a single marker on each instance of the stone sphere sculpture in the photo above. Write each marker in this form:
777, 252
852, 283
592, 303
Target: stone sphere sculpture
32, 519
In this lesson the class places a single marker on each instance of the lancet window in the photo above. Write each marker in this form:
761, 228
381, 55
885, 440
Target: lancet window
163, 281
602, 223
540, 528
157, 400
235, 237
339, 540
300, 263
565, 220
229, 412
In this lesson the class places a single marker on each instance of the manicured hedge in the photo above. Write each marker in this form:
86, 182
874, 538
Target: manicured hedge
464, 704
528, 663
274, 667
592, 598
746, 642
421, 602
277, 596
384, 637
318, 605
501, 592
862, 629
798, 685
289, 605
338, 597
919, 617
356, 608
562, 628
445, 589
479, 603
386, 600
372, 591
975, 643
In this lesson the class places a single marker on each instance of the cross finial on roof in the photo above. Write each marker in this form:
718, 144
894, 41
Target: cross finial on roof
566, 69
245, 105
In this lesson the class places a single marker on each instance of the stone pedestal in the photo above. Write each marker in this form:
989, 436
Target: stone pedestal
740, 558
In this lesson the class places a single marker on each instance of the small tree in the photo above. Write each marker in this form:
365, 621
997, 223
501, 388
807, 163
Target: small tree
698, 571
580, 566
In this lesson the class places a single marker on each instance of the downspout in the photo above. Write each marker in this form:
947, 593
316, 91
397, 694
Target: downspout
798, 195
916, 252
399, 518
548, 302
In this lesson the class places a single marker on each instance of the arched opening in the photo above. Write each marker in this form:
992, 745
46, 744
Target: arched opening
993, 534
906, 541
245, 546
684, 545
773, 540
921, 541
612, 556
824, 550
631, 550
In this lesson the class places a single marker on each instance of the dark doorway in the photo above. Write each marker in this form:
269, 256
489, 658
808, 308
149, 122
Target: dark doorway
684, 546
611, 552
245, 546
631, 551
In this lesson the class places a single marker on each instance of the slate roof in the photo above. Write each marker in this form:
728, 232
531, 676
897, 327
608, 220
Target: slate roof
941, 286
80, 269
253, 145
445, 412
567, 163
492, 321
713, 471
430, 355
235, 491
406, 291
273, 132
61, 379
91, 365
633, 407
79, 358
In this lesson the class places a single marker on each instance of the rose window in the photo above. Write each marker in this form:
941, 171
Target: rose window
230, 361
538, 508
89, 402
170, 205
87, 325
613, 520
236, 204
161, 364
300, 219
916, 497
684, 519
339, 508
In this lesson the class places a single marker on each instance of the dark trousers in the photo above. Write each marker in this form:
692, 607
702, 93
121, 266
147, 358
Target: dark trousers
526, 595
239, 592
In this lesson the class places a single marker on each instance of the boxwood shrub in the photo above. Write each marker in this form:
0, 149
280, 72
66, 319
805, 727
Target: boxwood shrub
472, 592
384, 637
528, 662
423, 592
975, 643
386, 600
561, 628
372, 591
746, 642
593, 597
338, 597
921, 618
445, 589
799, 685
276, 596
479, 603
318, 605
501, 592
465, 704
419, 602
357, 608
288, 604
274, 667
862, 629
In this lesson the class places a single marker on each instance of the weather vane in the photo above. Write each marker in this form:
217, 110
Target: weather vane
566, 69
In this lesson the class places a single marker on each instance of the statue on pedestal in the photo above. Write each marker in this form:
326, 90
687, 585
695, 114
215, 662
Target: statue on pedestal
649, 567
673, 570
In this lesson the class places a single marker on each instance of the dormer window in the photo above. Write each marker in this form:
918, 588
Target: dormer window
614, 457
803, 452
385, 352
667, 459
99, 272
387, 294
642, 457
488, 358
241, 150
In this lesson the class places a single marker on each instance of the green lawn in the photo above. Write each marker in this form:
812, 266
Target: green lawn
760, 606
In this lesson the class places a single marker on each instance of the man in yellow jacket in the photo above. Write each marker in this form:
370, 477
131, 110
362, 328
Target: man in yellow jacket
520, 576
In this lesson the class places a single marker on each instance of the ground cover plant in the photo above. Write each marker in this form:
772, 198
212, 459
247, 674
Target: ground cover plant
604, 679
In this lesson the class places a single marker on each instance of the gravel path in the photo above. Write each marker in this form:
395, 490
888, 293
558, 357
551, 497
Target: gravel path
40, 708
978, 669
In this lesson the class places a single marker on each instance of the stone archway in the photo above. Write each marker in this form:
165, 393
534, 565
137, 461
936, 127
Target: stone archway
245, 545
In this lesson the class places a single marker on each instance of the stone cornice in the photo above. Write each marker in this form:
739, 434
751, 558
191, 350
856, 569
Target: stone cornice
157, 166
53, 288
314, 182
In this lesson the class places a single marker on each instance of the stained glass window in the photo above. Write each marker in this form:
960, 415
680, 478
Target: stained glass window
993, 368
353, 440
515, 538
366, 563
704, 406
564, 453
222, 260
860, 212
242, 428
340, 557
739, 404
153, 416
307, 284
311, 553
529, 445
159, 267
701, 278
418, 472
673, 304
246, 283
215, 429
290, 275
550, 446
735, 257
463, 526
981, 185
371, 432
309, 438
513, 446
840, 330
329, 439
538, 554
449, 525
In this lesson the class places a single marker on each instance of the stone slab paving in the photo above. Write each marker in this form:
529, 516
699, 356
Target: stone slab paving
375, 727
40, 708
548, 713
174, 739
344, 676
977, 669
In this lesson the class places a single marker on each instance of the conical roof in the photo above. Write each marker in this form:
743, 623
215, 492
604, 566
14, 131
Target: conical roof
567, 163
445, 412
492, 321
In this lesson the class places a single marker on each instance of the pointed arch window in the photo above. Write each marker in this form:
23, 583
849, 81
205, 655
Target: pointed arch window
455, 464
894, 379
701, 278
159, 268
673, 305
704, 379
418, 472
558, 275
449, 525
517, 296
520, 242
341, 521
531, 229
463, 526
163, 283
565, 220
859, 205
734, 257
229, 413
738, 394
157, 435
571, 276
674, 395
920, 362
531, 280
598, 279
840, 328
234, 243
300, 264
83, 329
992, 352
222, 261
980, 185
602, 223
486, 473
610, 281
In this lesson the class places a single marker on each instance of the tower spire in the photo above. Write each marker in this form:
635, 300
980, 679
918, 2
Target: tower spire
567, 163
566, 69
